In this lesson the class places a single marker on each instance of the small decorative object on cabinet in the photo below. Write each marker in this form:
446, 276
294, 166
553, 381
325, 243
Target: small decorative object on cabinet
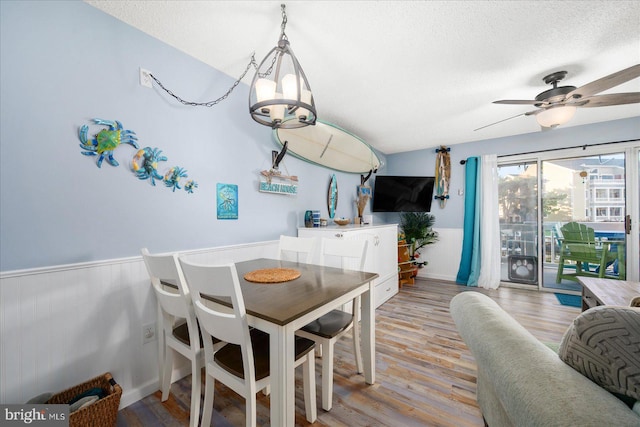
381, 252
364, 194
341, 221
308, 219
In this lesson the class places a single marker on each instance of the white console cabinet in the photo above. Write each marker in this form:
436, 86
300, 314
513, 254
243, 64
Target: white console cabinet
382, 252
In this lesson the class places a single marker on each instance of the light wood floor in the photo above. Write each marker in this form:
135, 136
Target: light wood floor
425, 375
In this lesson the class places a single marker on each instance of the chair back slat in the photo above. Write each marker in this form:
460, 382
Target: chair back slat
172, 304
580, 241
351, 254
166, 267
216, 320
220, 282
297, 249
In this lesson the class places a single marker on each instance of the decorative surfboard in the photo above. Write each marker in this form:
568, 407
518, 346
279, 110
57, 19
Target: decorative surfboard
443, 174
332, 196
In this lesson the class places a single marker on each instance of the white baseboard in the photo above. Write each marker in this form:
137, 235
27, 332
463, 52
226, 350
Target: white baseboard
132, 396
140, 392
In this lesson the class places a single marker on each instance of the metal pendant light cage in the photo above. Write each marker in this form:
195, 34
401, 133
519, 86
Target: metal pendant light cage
280, 95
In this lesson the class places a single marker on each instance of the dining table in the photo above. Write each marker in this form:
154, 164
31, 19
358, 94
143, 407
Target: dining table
280, 309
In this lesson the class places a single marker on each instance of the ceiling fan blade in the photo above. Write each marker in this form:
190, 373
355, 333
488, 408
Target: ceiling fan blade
528, 113
518, 101
605, 83
611, 99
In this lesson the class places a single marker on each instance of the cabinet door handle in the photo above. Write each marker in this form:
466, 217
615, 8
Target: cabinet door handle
339, 235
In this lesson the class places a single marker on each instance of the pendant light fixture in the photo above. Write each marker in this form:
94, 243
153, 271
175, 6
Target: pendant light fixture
280, 95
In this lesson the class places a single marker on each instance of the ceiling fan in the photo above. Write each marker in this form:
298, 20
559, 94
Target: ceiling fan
556, 106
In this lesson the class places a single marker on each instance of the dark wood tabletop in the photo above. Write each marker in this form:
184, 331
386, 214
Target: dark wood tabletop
281, 303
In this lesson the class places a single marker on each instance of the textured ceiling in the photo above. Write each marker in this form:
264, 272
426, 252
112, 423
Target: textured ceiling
407, 75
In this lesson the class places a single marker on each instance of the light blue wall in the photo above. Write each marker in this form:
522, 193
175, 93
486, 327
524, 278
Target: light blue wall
422, 162
64, 63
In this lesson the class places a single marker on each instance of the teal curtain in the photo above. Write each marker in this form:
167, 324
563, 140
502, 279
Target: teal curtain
469, 269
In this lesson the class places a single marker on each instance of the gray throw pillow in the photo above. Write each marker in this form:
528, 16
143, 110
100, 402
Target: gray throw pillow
603, 344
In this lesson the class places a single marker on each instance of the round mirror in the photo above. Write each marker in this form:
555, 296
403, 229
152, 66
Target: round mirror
330, 146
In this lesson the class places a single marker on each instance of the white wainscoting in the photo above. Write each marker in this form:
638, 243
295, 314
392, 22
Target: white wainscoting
443, 256
63, 325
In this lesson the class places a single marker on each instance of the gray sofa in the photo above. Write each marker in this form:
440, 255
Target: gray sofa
521, 381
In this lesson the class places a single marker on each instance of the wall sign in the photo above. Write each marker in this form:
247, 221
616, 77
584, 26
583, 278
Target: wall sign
278, 188
227, 201
285, 184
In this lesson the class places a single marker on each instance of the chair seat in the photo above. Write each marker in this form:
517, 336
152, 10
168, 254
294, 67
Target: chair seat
181, 332
229, 357
329, 325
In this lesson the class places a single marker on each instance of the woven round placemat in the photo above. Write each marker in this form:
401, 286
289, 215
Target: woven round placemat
272, 275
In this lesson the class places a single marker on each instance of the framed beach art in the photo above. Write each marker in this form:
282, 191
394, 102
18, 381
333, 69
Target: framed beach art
227, 201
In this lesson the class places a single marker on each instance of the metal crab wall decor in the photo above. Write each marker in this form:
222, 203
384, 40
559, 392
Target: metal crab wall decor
190, 186
172, 177
145, 161
145, 164
105, 141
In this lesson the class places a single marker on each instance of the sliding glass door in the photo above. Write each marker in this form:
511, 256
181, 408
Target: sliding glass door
589, 194
596, 191
518, 212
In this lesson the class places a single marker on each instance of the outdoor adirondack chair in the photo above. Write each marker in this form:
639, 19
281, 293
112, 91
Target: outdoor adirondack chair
581, 252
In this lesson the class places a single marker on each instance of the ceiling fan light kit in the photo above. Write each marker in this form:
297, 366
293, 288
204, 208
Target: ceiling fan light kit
555, 116
556, 106
280, 95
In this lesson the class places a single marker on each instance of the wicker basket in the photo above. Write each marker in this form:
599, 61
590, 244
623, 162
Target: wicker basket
104, 412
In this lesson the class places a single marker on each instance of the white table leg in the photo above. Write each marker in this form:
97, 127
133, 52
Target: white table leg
161, 345
282, 377
368, 334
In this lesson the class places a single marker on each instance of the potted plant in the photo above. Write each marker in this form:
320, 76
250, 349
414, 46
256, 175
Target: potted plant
417, 230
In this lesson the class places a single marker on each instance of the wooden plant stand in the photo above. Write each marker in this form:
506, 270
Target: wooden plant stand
407, 271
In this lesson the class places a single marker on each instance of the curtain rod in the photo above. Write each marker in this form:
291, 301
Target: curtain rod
584, 147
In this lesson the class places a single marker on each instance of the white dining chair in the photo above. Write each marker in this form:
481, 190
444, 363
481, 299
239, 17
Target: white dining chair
178, 326
297, 249
328, 329
243, 364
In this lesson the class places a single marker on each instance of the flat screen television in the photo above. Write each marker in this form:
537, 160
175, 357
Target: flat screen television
403, 193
